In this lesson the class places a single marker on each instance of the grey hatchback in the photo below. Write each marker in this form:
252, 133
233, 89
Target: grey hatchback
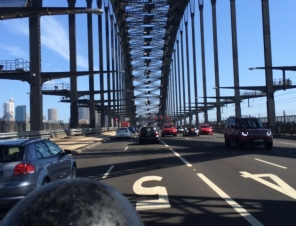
26, 164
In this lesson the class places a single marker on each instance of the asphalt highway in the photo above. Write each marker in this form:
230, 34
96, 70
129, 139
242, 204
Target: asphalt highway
198, 181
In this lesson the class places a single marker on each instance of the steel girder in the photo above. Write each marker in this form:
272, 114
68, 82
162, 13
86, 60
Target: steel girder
148, 29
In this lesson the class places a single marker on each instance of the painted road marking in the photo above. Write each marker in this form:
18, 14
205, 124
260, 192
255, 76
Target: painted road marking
178, 155
287, 143
281, 186
209, 145
271, 163
125, 148
107, 173
160, 203
231, 202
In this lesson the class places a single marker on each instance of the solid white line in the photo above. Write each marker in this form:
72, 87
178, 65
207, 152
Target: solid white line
231, 202
125, 148
178, 155
271, 163
287, 143
107, 173
209, 145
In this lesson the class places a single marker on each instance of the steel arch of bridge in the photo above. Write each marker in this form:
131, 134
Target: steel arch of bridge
148, 31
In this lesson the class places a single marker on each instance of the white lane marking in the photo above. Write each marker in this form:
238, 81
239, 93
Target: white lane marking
280, 185
125, 148
252, 220
287, 143
209, 145
178, 155
107, 173
160, 203
271, 163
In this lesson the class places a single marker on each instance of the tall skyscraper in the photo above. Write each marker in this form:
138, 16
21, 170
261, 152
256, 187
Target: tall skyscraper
8, 110
52, 115
20, 113
83, 113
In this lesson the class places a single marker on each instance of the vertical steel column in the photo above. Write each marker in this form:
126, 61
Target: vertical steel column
113, 69
73, 67
268, 65
100, 35
117, 66
108, 61
183, 75
92, 117
216, 61
194, 64
188, 67
235, 59
203, 61
173, 94
179, 81
176, 84
36, 99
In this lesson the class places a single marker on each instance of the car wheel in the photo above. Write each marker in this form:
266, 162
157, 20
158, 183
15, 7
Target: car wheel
268, 146
239, 144
227, 143
45, 181
73, 172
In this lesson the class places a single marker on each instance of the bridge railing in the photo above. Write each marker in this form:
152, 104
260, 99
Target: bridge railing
55, 133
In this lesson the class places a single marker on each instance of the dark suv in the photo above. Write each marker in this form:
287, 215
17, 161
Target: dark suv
244, 131
148, 134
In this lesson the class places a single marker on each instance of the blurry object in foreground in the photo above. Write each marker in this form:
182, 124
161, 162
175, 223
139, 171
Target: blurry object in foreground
73, 202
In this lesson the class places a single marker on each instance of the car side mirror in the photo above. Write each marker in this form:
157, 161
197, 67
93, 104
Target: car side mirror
68, 152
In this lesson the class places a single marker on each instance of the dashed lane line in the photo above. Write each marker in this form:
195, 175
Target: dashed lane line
107, 173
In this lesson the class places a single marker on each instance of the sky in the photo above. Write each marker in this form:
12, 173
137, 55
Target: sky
14, 44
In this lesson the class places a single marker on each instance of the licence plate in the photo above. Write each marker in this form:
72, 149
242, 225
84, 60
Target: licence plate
259, 140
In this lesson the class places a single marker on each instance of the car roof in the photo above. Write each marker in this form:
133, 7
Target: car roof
19, 142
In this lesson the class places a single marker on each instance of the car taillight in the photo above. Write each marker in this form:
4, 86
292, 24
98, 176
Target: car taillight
23, 168
156, 134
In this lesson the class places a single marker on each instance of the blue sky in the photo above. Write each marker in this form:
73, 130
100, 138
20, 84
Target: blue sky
14, 43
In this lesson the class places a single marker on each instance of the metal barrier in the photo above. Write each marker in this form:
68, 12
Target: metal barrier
26, 134
55, 133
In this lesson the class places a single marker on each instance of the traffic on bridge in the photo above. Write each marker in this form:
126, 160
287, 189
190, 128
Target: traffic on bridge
154, 63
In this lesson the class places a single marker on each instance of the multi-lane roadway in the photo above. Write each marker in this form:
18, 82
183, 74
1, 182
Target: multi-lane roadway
198, 181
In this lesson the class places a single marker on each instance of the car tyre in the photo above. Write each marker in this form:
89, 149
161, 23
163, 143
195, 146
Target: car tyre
73, 172
45, 181
227, 143
268, 146
239, 144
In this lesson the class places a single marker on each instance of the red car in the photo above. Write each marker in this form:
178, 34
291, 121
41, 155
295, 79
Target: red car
169, 129
205, 129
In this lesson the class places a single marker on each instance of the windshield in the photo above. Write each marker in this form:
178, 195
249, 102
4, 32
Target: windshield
248, 123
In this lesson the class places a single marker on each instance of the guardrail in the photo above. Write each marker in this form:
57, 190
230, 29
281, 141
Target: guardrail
26, 134
55, 133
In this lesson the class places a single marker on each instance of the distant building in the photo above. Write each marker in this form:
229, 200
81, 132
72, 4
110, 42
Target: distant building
44, 118
83, 114
27, 118
20, 113
8, 110
52, 115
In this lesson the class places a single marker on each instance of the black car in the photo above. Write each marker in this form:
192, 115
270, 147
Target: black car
148, 134
190, 130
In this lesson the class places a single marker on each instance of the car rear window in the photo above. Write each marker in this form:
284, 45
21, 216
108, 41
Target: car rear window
11, 153
122, 129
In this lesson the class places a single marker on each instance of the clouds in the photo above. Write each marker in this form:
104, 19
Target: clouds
54, 36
